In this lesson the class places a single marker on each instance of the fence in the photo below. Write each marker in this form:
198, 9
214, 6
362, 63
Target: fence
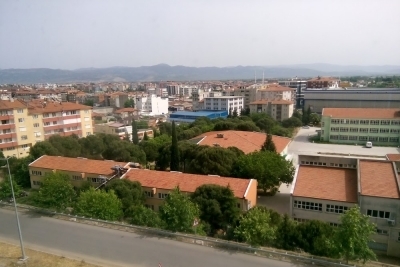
199, 240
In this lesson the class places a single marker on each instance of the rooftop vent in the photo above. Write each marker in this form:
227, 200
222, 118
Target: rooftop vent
220, 135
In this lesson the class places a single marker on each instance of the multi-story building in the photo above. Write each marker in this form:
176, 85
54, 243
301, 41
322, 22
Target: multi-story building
152, 105
278, 109
323, 82
156, 184
121, 129
173, 89
299, 86
24, 124
229, 103
359, 125
325, 187
116, 99
317, 99
249, 94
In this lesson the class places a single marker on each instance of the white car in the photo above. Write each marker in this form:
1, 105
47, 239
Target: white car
306, 127
368, 145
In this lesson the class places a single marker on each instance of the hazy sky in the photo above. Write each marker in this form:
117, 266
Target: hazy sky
72, 34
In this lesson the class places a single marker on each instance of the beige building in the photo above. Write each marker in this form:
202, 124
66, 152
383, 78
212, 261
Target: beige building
121, 129
278, 109
25, 123
156, 184
325, 187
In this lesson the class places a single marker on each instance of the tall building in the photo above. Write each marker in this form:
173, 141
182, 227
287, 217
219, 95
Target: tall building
152, 105
323, 82
173, 89
23, 124
278, 109
299, 86
229, 103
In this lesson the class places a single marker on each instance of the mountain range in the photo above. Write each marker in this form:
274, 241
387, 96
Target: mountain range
164, 72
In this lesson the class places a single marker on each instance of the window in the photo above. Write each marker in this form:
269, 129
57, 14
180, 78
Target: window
35, 116
334, 137
385, 122
374, 122
393, 139
344, 129
334, 224
39, 173
149, 193
77, 177
364, 122
305, 205
395, 131
383, 139
334, 129
87, 119
46, 123
378, 214
385, 130
73, 112
353, 130
373, 130
36, 125
96, 180
353, 138
37, 183
363, 130
336, 208
162, 195
54, 122
395, 123
363, 138
335, 121
22, 129
20, 110
344, 121
354, 121
238, 205
398, 238
10, 148
25, 146
343, 137
24, 137
372, 138
381, 231
21, 120
300, 220
54, 114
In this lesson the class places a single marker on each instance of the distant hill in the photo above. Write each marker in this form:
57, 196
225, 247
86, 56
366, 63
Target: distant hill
164, 72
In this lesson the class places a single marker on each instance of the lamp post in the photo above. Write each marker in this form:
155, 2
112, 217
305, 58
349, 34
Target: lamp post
24, 257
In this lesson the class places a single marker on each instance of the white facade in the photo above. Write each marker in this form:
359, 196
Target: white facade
224, 103
152, 105
197, 98
187, 90
162, 92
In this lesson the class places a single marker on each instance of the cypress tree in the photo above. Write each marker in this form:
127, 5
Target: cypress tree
135, 138
145, 137
268, 145
174, 165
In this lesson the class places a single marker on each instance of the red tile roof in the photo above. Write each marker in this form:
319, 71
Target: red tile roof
362, 113
393, 157
337, 184
272, 101
378, 179
323, 79
122, 110
11, 104
186, 182
40, 107
246, 141
101, 167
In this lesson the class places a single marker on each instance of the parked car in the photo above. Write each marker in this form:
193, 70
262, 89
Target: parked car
306, 127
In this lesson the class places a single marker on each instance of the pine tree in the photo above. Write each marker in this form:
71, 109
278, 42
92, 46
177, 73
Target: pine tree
135, 138
269, 144
235, 113
174, 165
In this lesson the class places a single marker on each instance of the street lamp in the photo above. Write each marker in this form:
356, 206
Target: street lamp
24, 257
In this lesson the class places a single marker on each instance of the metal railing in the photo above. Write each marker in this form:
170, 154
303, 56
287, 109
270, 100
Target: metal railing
200, 240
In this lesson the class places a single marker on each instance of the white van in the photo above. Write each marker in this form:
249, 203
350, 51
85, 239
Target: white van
368, 144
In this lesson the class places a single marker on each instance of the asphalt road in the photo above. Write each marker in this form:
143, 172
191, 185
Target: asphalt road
117, 248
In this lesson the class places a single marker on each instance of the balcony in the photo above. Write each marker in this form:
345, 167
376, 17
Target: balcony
77, 132
73, 116
53, 127
8, 135
6, 117
50, 119
7, 126
8, 144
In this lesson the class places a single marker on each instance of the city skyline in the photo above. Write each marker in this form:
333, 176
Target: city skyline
100, 34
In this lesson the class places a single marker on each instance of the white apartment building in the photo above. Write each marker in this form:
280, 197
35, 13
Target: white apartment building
224, 103
152, 105
173, 89
187, 90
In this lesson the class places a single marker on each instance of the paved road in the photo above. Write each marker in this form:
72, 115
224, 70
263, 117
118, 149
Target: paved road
116, 248
301, 145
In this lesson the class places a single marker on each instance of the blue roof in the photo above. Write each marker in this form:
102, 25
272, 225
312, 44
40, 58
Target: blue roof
199, 113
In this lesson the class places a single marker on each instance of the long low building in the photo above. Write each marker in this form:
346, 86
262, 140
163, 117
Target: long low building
318, 99
156, 184
191, 116
359, 125
325, 187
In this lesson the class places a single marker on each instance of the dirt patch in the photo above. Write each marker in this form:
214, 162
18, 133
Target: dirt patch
10, 255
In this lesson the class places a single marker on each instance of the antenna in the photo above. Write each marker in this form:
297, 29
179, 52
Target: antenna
255, 77
263, 77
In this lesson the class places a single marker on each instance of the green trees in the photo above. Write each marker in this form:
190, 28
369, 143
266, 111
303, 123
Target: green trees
218, 206
43, 148
99, 204
92, 147
286, 234
145, 137
178, 212
20, 170
130, 193
5, 189
140, 215
292, 122
269, 168
268, 145
56, 192
130, 103
135, 137
254, 227
174, 164
353, 235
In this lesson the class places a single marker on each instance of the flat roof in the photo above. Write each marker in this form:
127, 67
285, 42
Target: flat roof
378, 179
81, 165
198, 113
187, 182
337, 184
246, 141
362, 113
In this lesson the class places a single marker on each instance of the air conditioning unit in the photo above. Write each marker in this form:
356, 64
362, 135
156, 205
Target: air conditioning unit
391, 222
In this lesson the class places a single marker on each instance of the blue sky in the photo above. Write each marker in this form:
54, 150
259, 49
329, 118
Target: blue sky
70, 34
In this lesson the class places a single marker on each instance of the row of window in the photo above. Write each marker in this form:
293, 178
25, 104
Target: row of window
340, 165
364, 130
305, 205
378, 214
365, 122
364, 138
336, 208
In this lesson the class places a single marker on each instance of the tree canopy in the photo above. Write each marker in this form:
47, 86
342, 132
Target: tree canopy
269, 144
130, 193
